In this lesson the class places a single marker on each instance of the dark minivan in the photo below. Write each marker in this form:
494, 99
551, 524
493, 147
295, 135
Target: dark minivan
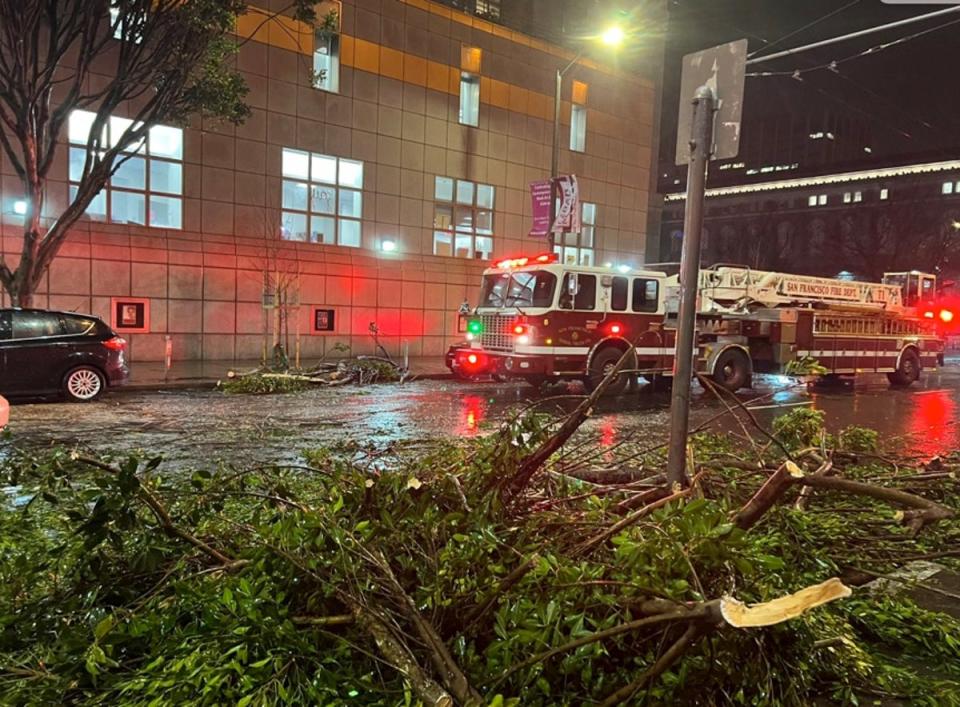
44, 352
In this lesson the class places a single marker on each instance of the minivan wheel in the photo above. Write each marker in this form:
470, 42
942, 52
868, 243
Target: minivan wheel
83, 384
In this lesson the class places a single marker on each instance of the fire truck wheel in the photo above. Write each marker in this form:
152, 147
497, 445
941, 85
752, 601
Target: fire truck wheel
602, 363
907, 372
732, 370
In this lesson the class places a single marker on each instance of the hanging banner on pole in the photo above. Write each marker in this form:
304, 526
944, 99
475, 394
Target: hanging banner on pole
540, 197
568, 214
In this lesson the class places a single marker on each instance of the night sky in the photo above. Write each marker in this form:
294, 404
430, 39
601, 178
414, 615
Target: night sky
909, 95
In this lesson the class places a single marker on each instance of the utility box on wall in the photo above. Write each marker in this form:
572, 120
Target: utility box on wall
130, 315
324, 320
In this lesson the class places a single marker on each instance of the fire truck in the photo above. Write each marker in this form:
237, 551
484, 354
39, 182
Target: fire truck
540, 320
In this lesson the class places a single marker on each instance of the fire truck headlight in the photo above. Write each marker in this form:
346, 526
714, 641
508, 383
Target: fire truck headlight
469, 336
472, 359
946, 316
523, 340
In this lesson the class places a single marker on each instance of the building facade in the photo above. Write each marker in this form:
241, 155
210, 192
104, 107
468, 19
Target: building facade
858, 223
384, 164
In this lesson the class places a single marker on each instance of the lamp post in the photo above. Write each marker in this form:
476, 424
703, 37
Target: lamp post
612, 36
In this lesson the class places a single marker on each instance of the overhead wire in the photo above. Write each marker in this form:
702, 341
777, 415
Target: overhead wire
796, 73
832, 13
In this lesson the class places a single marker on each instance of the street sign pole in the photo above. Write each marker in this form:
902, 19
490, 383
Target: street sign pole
700, 146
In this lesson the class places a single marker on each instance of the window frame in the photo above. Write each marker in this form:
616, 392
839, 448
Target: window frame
144, 151
645, 308
578, 128
309, 213
450, 233
331, 40
469, 99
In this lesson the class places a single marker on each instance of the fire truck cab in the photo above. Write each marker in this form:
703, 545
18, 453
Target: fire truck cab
540, 320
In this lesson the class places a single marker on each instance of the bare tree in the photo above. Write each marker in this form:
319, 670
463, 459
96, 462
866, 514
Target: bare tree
162, 60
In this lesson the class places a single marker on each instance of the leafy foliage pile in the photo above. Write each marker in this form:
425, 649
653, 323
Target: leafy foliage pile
262, 385
327, 584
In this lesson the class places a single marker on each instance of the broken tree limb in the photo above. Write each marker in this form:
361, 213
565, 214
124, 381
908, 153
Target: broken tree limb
443, 662
532, 463
400, 657
767, 495
738, 615
924, 510
776, 611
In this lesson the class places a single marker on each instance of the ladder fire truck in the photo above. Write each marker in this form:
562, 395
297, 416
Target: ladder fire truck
541, 320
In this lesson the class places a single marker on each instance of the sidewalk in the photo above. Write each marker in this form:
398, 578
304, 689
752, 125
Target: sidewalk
151, 375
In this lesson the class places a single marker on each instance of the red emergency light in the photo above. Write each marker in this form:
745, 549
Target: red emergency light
616, 328
520, 262
519, 329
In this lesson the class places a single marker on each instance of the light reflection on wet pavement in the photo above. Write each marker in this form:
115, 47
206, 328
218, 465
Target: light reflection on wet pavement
207, 426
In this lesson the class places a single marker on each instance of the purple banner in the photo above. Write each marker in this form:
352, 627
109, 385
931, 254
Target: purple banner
540, 195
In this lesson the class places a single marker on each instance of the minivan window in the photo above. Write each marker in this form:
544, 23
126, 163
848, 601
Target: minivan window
618, 294
80, 325
586, 297
34, 325
645, 295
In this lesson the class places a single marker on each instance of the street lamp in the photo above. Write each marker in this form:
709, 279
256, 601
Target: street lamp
613, 36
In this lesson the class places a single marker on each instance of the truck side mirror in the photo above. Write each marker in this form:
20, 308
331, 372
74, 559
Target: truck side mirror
572, 287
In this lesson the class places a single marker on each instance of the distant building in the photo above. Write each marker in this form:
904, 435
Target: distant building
859, 222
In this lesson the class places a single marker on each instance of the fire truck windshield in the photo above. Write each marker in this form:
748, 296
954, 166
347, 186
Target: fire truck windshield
532, 288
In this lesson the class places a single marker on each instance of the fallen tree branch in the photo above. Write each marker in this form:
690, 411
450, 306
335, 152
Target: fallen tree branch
505, 585
163, 517
634, 517
679, 647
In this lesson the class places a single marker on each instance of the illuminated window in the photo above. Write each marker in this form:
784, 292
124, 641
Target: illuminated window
488, 8
469, 99
884, 194
147, 185
578, 128
463, 219
822, 200
322, 198
812, 200
326, 61
947, 188
578, 248
847, 197
857, 197
124, 29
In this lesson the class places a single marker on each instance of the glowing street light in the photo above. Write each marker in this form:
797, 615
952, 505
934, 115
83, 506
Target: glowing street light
613, 36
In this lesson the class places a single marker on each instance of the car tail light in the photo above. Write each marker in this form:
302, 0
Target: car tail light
117, 343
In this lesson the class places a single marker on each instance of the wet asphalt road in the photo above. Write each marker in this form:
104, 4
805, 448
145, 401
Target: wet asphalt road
202, 427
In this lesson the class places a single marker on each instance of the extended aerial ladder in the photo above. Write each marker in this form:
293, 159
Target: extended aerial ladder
738, 290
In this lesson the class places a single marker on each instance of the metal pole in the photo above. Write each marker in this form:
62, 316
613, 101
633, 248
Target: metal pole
555, 160
700, 146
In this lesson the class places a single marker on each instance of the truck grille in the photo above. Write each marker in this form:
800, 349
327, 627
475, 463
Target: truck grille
497, 332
